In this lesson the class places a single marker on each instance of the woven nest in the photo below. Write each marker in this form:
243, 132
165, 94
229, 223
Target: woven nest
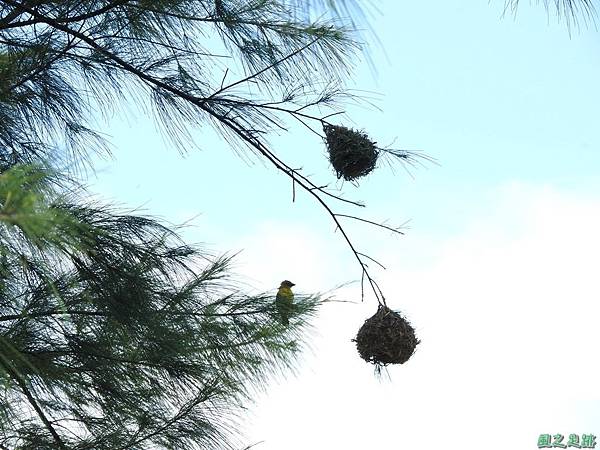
386, 338
351, 153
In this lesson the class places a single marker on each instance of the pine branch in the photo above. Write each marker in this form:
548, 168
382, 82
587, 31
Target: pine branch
181, 414
33, 315
16, 12
32, 401
98, 12
239, 131
570, 10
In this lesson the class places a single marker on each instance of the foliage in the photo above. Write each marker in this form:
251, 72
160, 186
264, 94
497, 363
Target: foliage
572, 11
113, 332
123, 336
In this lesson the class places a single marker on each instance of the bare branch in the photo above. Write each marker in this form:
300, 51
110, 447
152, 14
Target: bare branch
395, 230
266, 69
372, 259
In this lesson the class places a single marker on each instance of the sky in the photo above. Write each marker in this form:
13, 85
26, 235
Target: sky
497, 269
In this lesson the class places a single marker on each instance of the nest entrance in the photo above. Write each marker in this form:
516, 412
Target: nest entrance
351, 153
386, 338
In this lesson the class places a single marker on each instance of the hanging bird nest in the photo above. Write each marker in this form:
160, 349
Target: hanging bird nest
386, 338
351, 153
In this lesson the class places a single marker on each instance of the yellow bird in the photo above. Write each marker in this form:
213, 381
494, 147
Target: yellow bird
284, 301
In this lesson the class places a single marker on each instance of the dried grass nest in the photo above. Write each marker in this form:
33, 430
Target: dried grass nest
386, 338
351, 153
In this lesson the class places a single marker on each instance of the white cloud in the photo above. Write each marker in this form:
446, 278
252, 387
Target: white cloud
507, 312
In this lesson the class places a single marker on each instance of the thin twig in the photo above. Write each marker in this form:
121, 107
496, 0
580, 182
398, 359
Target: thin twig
360, 219
372, 259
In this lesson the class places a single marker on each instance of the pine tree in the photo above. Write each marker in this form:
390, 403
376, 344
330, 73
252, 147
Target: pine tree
70, 58
114, 334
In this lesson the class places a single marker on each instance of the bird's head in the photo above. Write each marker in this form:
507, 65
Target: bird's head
287, 284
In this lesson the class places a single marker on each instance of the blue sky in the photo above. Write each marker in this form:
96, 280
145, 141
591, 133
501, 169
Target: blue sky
498, 270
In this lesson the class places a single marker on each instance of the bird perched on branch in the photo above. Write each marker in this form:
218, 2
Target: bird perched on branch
284, 301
